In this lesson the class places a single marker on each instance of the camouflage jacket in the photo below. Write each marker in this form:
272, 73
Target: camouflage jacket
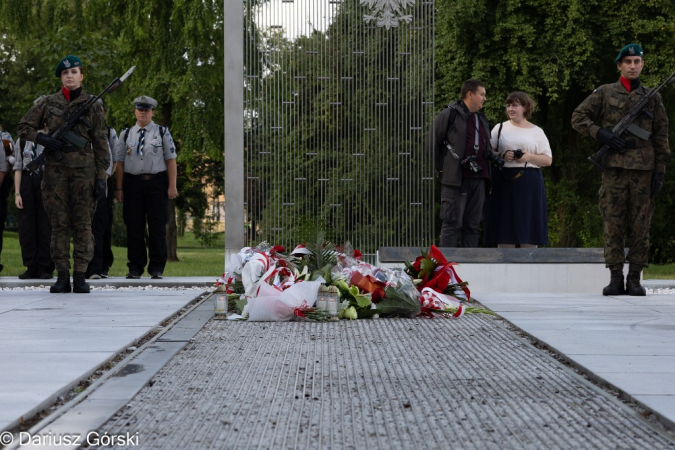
607, 105
50, 112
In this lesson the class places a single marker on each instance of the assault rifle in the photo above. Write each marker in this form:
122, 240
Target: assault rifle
64, 131
626, 124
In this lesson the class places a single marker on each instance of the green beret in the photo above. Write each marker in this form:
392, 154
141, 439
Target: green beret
66, 63
629, 50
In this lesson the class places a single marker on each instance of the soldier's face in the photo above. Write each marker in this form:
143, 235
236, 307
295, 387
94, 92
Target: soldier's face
144, 116
72, 78
630, 67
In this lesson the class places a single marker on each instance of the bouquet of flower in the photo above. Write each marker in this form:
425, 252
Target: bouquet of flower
433, 271
267, 284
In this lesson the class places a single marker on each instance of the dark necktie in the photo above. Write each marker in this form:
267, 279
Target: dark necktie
141, 142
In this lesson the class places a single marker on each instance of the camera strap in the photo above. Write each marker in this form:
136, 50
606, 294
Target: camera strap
475, 141
521, 171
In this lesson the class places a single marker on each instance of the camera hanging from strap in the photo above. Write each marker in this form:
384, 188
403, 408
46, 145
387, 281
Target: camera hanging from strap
521, 171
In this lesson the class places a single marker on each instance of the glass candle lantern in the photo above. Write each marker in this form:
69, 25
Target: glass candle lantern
328, 299
220, 305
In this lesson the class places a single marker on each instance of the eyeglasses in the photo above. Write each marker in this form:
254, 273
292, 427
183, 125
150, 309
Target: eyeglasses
512, 105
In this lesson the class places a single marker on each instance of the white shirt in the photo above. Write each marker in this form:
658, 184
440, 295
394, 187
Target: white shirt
530, 140
156, 150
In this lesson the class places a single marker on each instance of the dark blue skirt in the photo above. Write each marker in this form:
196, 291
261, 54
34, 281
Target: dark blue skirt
515, 210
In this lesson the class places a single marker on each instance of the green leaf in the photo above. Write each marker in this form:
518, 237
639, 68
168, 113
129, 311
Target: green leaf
363, 301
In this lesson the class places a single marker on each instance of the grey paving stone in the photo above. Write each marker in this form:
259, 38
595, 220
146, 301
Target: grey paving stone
49, 342
383, 384
628, 342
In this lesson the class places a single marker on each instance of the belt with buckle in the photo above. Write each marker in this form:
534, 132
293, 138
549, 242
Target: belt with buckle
147, 176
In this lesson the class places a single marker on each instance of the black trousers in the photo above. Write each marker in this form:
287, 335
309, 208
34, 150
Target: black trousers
108, 257
4, 192
99, 223
461, 212
35, 231
146, 201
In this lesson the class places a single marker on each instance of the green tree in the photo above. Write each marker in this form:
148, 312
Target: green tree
177, 48
558, 51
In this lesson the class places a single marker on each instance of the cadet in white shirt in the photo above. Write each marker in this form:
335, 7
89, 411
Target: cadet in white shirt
101, 223
35, 230
146, 181
6, 148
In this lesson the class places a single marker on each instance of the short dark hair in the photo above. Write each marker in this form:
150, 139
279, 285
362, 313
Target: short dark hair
471, 85
522, 98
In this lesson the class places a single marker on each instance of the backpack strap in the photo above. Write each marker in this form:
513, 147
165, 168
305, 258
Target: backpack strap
22, 144
451, 119
125, 135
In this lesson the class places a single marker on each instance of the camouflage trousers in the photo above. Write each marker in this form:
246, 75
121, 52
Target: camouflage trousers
68, 195
626, 208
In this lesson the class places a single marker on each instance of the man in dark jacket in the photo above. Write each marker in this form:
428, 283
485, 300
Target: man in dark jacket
634, 168
458, 140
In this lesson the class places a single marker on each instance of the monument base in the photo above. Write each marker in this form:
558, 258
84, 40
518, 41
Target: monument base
511, 270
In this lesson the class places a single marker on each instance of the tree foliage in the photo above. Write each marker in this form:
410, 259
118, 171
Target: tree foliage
176, 46
558, 51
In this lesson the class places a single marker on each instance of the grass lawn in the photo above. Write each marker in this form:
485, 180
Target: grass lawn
194, 260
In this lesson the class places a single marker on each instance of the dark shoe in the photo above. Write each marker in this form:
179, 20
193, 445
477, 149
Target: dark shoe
633, 286
45, 274
62, 285
133, 275
28, 274
156, 275
615, 286
79, 285
104, 274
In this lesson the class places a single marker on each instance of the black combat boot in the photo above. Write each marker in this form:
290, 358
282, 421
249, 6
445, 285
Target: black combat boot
62, 285
633, 286
79, 285
615, 286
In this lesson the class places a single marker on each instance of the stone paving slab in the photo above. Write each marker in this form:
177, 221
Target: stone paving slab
382, 384
627, 342
49, 342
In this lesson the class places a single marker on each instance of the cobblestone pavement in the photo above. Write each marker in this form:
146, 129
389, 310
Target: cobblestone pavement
469, 383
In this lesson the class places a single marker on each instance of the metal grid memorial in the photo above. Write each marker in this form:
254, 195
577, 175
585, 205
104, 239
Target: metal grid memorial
337, 100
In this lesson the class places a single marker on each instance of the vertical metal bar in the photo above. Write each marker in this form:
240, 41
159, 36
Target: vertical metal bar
233, 127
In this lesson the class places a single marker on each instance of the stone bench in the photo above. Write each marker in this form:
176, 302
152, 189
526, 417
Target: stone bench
492, 270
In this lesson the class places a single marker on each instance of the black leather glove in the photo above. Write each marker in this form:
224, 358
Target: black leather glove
99, 189
49, 142
657, 184
607, 137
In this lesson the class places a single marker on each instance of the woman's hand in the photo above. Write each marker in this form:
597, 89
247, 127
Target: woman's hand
508, 156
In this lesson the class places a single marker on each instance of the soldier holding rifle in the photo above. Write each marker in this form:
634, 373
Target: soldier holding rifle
634, 132
74, 173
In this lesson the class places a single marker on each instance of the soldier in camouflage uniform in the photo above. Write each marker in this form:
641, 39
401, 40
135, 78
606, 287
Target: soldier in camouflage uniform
71, 185
634, 168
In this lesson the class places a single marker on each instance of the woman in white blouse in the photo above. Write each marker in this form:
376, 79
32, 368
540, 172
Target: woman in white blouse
515, 213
